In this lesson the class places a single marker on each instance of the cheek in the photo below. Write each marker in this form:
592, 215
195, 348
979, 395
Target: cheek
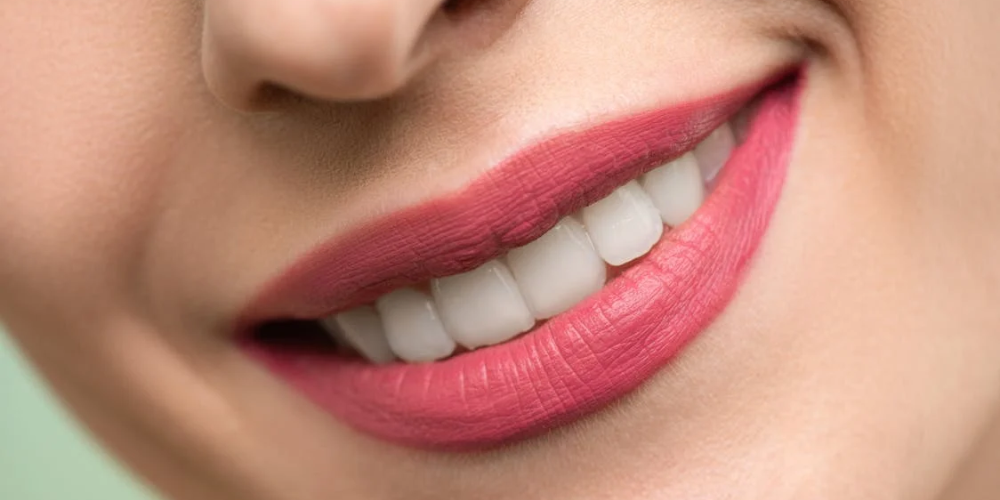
89, 122
74, 204
932, 113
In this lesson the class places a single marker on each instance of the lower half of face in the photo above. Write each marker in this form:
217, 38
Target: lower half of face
498, 250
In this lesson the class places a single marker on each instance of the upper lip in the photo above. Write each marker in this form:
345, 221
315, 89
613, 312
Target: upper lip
573, 363
497, 212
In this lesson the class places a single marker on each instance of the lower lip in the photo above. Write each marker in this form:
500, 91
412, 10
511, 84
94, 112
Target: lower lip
582, 360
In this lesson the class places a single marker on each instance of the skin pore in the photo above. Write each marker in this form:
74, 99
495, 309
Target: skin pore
160, 160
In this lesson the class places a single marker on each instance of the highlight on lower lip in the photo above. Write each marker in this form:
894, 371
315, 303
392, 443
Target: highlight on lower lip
578, 361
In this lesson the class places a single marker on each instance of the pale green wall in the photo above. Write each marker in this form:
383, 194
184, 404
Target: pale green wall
43, 454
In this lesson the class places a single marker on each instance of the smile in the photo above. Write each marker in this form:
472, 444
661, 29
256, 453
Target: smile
553, 285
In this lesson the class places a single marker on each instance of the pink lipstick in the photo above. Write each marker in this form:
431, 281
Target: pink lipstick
576, 362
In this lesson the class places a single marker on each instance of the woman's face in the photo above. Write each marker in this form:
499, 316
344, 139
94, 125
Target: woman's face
176, 173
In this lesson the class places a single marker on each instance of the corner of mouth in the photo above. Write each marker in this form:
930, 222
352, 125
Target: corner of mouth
382, 327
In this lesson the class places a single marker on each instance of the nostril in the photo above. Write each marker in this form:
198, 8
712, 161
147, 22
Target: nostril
454, 7
471, 25
458, 9
271, 96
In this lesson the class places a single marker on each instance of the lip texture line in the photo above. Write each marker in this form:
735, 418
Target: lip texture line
579, 361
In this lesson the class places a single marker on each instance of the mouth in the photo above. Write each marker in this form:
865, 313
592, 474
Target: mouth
553, 285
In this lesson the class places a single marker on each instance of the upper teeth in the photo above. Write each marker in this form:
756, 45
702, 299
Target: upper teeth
503, 298
558, 270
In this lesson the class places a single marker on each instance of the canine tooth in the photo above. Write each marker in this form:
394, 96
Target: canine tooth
558, 270
714, 151
482, 307
623, 226
412, 326
676, 189
361, 328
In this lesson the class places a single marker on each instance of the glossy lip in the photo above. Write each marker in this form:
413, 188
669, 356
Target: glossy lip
579, 361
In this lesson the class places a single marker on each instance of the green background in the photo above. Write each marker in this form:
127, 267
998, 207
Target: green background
43, 454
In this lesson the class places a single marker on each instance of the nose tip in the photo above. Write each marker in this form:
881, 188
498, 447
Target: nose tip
334, 50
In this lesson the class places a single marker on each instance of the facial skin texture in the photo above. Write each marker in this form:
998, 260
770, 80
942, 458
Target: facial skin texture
150, 184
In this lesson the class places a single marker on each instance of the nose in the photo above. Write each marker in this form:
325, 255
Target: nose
334, 50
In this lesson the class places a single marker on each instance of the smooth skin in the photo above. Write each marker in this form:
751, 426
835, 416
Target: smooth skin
160, 160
